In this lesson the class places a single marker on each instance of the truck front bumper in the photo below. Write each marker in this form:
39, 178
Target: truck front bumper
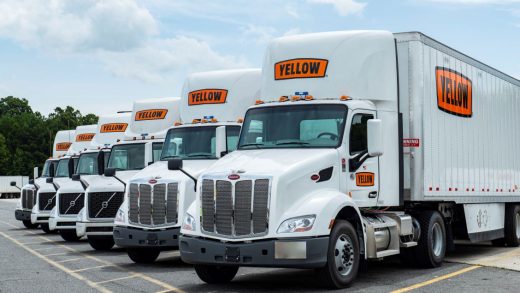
22, 215
95, 228
40, 218
133, 237
290, 253
62, 223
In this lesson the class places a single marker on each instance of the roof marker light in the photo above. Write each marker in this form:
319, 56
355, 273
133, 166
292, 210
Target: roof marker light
177, 123
259, 102
309, 98
195, 121
283, 99
345, 98
240, 120
213, 120
295, 98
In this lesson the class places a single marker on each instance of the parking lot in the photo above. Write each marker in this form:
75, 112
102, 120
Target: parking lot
32, 261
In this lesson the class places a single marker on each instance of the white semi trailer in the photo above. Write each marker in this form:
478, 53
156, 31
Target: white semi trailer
368, 144
142, 144
28, 193
9, 185
149, 219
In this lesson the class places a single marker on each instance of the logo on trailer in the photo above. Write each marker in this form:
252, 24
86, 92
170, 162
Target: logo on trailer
411, 142
207, 96
300, 68
85, 136
365, 179
63, 146
152, 114
454, 92
113, 127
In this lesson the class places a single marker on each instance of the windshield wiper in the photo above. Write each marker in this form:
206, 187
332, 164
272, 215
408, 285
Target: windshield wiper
200, 155
299, 142
256, 144
169, 157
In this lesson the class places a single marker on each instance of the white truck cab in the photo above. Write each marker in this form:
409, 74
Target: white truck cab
140, 147
69, 193
30, 200
213, 105
320, 178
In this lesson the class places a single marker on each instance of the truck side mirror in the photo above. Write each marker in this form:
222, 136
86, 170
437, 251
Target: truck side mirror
76, 177
71, 167
101, 162
52, 172
220, 141
174, 164
148, 153
375, 137
110, 172
35, 172
31, 181
13, 183
49, 180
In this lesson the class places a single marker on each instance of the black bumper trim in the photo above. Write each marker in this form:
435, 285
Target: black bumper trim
133, 238
22, 215
255, 254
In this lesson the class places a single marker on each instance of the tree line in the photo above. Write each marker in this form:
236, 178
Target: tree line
26, 136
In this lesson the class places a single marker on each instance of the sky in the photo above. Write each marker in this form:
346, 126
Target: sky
100, 55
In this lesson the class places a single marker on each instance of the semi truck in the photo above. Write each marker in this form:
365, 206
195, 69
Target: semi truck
366, 144
66, 203
149, 219
91, 163
28, 193
141, 146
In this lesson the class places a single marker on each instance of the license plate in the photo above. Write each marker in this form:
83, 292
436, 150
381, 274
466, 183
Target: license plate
232, 254
152, 239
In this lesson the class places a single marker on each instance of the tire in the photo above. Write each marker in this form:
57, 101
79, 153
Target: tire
500, 242
212, 274
143, 255
69, 235
431, 248
512, 226
342, 265
46, 229
29, 225
101, 242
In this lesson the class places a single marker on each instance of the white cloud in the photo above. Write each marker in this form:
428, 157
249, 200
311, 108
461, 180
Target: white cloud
166, 57
344, 7
76, 25
478, 2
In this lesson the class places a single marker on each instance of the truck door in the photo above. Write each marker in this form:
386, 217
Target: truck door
363, 179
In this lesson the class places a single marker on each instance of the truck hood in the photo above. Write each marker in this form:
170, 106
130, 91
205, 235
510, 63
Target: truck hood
69, 186
43, 186
271, 162
101, 183
159, 170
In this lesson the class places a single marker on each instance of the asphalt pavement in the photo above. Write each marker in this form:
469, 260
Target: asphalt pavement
32, 261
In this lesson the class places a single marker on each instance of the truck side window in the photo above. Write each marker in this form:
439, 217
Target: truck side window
156, 151
358, 133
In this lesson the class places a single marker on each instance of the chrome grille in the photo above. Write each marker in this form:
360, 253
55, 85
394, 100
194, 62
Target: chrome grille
104, 205
28, 198
46, 201
71, 203
235, 208
153, 205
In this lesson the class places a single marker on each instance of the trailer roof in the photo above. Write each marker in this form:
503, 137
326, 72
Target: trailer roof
418, 36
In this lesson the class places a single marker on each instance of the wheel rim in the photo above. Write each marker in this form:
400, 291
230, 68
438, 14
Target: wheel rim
437, 239
517, 225
344, 254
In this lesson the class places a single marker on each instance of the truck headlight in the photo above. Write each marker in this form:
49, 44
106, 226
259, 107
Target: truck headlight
120, 218
189, 223
298, 224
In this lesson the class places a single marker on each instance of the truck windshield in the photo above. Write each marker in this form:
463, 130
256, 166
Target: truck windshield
297, 126
88, 164
196, 142
127, 157
63, 168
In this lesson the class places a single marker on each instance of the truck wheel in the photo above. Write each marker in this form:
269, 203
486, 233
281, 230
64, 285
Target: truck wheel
69, 235
29, 225
46, 229
216, 274
101, 242
342, 256
143, 255
431, 248
512, 226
